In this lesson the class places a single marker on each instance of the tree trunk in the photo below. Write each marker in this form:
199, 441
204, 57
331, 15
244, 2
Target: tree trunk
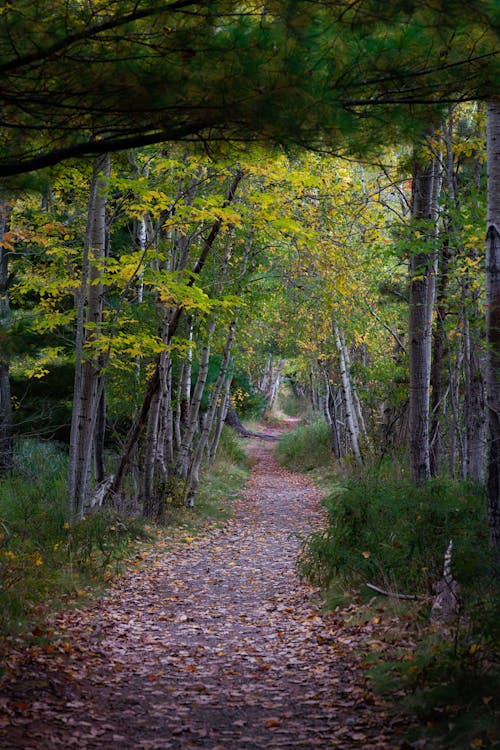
219, 421
475, 422
438, 357
493, 328
233, 420
88, 383
420, 321
99, 437
194, 410
208, 421
334, 406
6, 444
154, 382
349, 406
151, 504
184, 392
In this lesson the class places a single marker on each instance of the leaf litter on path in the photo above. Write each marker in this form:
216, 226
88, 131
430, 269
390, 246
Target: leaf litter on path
213, 643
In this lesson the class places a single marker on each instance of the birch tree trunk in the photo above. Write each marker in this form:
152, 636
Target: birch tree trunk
89, 306
358, 411
334, 407
420, 320
438, 356
6, 445
194, 410
208, 421
158, 446
349, 405
476, 426
184, 392
219, 421
154, 382
493, 328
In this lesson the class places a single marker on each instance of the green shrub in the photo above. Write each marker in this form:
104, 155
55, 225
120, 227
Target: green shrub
395, 535
306, 448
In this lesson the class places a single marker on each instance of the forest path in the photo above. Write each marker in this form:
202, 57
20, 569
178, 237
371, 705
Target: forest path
212, 644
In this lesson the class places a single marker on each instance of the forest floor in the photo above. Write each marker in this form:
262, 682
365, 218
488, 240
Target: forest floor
211, 642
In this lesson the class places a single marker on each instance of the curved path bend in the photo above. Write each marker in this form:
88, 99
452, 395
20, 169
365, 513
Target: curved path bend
213, 644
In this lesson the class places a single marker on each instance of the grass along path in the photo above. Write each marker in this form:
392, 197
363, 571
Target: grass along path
213, 644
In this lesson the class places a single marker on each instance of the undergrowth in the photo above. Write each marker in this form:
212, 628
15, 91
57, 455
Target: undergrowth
42, 559
306, 448
45, 564
394, 535
289, 404
220, 485
384, 531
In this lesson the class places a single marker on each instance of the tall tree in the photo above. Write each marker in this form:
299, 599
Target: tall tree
422, 272
6, 451
493, 326
89, 383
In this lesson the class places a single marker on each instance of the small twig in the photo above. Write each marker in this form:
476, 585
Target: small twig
393, 594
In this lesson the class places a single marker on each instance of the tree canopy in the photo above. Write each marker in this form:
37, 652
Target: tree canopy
88, 78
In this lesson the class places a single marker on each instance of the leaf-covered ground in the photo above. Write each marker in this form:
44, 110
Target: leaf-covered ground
210, 643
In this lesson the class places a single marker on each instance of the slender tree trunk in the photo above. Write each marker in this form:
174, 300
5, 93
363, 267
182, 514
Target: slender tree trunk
151, 504
335, 405
158, 446
326, 401
313, 392
99, 437
420, 321
6, 444
154, 382
438, 356
88, 386
184, 392
493, 328
274, 386
349, 405
208, 421
192, 424
219, 422
358, 411
475, 422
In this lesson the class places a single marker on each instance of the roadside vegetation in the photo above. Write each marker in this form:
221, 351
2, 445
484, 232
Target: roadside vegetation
46, 564
384, 531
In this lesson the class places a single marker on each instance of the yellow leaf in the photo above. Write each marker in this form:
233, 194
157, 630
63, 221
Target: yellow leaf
366, 555
37, 559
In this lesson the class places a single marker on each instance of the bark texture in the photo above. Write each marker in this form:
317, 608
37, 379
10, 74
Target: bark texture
420, 319
493, 327
348, 393
6, 447
89, 385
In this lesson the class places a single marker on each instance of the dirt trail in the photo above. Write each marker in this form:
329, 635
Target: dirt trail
215, 645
